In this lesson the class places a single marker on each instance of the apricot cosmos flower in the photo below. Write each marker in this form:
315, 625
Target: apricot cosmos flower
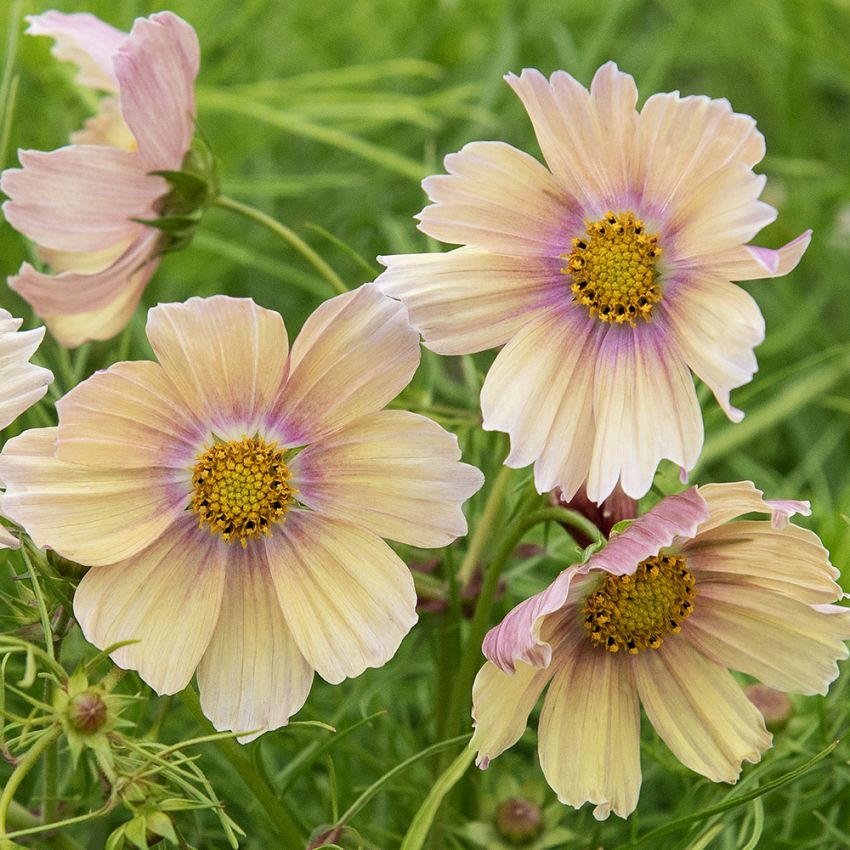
605, 276
79, 203
655, 618
231, 499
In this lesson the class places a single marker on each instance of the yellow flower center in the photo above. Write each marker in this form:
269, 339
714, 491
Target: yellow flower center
241, 487
613, 269
636, 612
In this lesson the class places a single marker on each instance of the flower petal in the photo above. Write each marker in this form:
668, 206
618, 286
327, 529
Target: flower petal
22, 383
645, 407
469, 300
156, 69
355, 353
90, 515
127, 416
166, 597
106, 127
730, 500
225, 356
589, 738
499, 199
501, 703
749, 262
80, 198
782, 641
252, 676
347, 597
699, 710
540, 391
393, 473
716, 325
84, 40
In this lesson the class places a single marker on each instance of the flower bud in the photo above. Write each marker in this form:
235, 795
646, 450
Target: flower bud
87, 711
519, 821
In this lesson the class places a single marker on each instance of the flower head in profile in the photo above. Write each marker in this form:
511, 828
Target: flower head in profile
231, 498
22, 383
82, 204
606, 276
657, 618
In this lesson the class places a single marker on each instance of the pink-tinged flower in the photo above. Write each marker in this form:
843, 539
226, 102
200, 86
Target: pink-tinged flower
605, 276
655, 619
79, 203
231, 499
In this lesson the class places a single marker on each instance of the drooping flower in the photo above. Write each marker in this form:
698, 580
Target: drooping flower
231, 498
78, 203
605, 277
22, 383
657, 618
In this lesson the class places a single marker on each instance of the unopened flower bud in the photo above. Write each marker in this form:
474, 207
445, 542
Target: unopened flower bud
519, 821
87, 711
776, 707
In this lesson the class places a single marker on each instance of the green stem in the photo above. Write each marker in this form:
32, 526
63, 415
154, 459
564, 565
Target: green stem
287, 827
20, 818
287, 235
24, 766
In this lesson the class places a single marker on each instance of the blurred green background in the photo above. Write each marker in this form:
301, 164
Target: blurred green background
327, 115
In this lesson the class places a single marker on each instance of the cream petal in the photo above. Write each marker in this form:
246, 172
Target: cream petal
355, 353
84, 40
225, 356
469, 300
699, 710
540, 391
499, 199
730, 500
716, 325
749, 262
589, 737
91, 515
166, 597
129, 415
22, 383
782, 641
347, 597
156, 69
645, 408
252, 676
501, 703
107, 127
89, 262
393, 473
80, 198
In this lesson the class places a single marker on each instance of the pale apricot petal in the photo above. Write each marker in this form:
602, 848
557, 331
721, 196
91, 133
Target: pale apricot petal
129, 415
84, 40
784, 642
90, 515
499, 199
166, 597
539, 390
355, 353
469, 300
393, 473
749, 262
252, 677
589, 737
80, 198
699, 710
347, 597
22, 383
501, 703
89, 262
645, 408
156, 69
225, 356
728, 501
716, 326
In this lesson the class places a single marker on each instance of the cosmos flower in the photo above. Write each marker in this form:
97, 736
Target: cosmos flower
231, 498
22, 383
655, 619
605, 277
78, 203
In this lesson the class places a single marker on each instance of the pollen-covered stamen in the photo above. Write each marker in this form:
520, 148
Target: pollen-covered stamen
613, 269
241, 488
635, 612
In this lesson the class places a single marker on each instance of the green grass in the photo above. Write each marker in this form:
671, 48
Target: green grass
326, 115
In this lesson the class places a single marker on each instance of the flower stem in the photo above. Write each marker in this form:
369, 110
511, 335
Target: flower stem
287, 235
287, 827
